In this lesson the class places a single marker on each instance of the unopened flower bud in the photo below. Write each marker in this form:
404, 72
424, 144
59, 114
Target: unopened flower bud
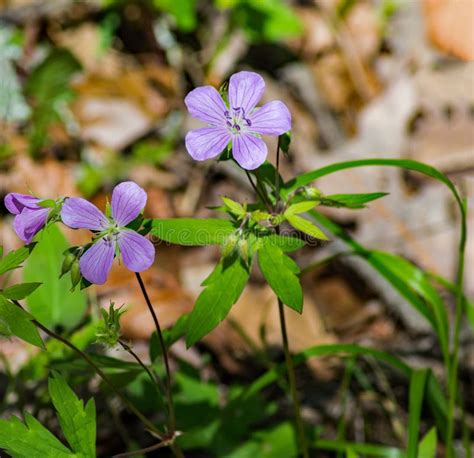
75, 274
68, 261
243, 247
312, 193
229, 245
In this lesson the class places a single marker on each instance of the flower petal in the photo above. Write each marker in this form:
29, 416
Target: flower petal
249, 151
15, 202
96, 262
128, 200
273, 118
79, 213
206, 104
245, 90
138, 253
207, 142
29, 222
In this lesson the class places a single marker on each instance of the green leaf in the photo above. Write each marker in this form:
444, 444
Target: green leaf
354, 201
53, 304
14, 259
307, 227
30, 439
419, 282
234, 207
18, 323
281, 273
77, 423
285, 243
20, 291
300, 207
417, 391
222, 290
192, 232
428, 445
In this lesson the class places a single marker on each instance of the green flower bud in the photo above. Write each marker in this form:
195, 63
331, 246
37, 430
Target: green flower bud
229, 245
75, 274
108, 330
68, 261
312, 193
243, 248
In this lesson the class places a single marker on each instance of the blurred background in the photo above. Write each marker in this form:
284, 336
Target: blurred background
91, 93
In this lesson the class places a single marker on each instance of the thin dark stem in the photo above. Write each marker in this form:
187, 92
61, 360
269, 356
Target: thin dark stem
292, 380
261, 195
154, 379
99, 372
172, 416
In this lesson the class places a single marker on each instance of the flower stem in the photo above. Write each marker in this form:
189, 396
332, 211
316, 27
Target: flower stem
154, 379
172, 415
99, 372
292, 380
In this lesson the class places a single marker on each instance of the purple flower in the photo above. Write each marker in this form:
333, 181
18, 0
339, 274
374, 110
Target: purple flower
30, 217
138, 253
240, 123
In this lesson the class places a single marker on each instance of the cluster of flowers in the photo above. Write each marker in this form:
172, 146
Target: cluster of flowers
239, 123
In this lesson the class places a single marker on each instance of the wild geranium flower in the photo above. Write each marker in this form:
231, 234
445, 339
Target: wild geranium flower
240, 122
112, 235
30, 216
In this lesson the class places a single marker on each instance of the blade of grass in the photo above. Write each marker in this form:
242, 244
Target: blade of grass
417, 394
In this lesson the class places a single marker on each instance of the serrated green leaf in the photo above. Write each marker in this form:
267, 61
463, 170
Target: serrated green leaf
222, 290
354, 201
18, 323
77, 423
14, 259
192, 232
306, 226
300, 207
427, 446
30, 439
20, 291
53, 304
281, 273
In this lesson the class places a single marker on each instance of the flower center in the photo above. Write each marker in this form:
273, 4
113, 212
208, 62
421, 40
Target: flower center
236, 120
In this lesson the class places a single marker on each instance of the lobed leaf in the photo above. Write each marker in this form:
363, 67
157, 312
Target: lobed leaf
77, 423
17, 322
14, 259
30, 439
303, 225
20, 291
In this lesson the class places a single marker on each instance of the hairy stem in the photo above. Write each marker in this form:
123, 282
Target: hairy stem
172, 415
99, 372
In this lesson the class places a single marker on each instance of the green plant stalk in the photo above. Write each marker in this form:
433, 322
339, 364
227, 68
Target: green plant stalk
453, 367
100, 373
288, 359
172, 415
